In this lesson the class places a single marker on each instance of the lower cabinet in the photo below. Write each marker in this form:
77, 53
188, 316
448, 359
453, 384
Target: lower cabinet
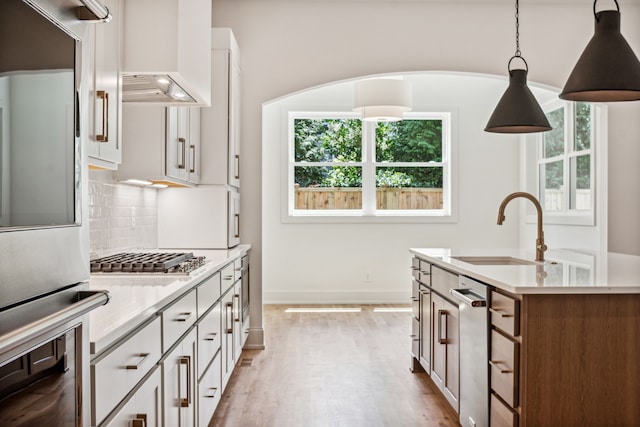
179, 381
210, 390
445, 369
425, 330
144, 408
227, 347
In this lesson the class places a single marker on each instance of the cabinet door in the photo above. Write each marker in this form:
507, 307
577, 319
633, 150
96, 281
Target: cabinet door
104, 144
228, 361
144, 408
233, 222
234, 123
209, 391
237, 320
179, 383
425, 330
446, 348
193, 145
177, 143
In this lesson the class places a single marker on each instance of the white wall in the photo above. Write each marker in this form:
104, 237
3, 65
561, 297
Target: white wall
288, 46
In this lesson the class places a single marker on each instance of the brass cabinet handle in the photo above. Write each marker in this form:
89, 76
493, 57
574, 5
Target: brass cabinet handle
139, 421
183, 143
500, 312
237, 225
237, 312
496, 363
192, 148
214, 389
237, 176
441, 313
211, 336
228, 329
185, 401
183, 317
104, 96
142, 356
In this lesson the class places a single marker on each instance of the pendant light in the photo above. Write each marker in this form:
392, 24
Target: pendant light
518, 110
382, 100
607, 70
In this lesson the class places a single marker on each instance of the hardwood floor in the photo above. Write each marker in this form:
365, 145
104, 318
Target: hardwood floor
332, 369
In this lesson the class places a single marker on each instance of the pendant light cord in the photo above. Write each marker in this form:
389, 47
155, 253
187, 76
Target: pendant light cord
518, 53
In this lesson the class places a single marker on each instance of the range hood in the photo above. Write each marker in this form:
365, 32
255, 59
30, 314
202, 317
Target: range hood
167, 52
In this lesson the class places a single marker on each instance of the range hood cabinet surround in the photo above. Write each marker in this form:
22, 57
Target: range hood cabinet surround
166, 51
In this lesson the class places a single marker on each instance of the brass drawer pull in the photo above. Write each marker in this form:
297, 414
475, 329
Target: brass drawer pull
211, 336
496, 363
143, 357
500, 312
183, 317
139, 421
215, 390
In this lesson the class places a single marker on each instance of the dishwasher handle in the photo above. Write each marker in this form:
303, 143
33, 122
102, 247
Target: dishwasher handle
469, 297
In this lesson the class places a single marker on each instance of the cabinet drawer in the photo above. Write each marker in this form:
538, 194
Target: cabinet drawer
501, 414
415, 337
210, 391
505, 313
425, 273
237, 269
208, 293
415, 268
209, 338
227, 278
415, 299
442, 281
504, 367
114, 375
177, 319
143, 408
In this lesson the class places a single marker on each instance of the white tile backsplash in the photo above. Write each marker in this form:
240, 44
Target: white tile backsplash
121, 217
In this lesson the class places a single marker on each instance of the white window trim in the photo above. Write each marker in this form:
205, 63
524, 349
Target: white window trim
449, 156
597, 150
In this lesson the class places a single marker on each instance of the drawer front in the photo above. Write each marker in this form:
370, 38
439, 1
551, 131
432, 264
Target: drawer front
415, 299
144, 408
415, 337
442, 281
177, 319
113, 376
227, 278
505, 313
209, 338
504, 361
237, 268
501, 414
415, 268
425, 273
210, 391
208, 293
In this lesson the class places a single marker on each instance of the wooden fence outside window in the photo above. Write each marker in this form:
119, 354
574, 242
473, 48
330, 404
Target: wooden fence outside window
326, 198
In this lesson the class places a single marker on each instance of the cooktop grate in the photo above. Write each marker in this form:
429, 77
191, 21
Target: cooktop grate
147, 263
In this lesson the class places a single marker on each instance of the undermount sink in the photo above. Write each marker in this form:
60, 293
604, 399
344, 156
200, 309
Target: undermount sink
493, 260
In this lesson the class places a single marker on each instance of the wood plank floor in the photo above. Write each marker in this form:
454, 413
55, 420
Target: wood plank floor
332, 369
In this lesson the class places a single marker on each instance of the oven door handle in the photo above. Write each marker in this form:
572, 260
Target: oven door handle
85, 302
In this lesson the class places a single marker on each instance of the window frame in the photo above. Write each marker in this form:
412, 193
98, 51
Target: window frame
368, 213
568, 215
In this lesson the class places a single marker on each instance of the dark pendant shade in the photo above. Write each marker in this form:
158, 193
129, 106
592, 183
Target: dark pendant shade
607, 70
518, 110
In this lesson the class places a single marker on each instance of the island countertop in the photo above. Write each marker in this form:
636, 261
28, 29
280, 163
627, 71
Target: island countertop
564, 271
137, 297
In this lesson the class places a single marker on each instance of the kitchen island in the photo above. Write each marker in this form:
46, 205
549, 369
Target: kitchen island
563, 335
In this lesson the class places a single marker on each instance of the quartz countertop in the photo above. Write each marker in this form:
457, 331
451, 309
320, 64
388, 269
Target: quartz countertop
137, 297
564, 271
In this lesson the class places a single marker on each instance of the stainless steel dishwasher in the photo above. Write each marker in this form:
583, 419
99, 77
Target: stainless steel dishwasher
474, 372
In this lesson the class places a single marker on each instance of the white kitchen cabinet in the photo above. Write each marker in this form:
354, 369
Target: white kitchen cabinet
143, 408
209, 391
227, 344
445, 362
221, 121
163, 144
104, 144
183, 144
179, 382
209, 217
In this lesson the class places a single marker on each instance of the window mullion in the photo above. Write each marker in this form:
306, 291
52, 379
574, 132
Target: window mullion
368, 168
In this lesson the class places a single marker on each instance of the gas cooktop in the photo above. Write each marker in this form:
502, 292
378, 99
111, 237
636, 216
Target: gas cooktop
149, 262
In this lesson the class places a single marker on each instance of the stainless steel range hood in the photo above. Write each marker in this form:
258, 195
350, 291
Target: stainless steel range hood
153, 88
167, 52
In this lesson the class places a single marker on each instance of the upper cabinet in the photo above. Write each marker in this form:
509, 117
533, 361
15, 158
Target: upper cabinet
167, 48
162, 145
104, 147
220, 128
